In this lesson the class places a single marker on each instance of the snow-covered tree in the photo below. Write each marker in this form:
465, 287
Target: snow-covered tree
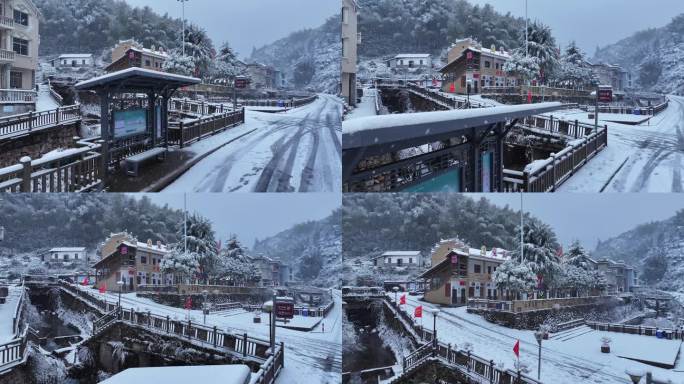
179, 64
540, 250
199, 259
226, 65
234, 264
199, 46
577, 256
515, 276
525, 67
180, 264
573, 70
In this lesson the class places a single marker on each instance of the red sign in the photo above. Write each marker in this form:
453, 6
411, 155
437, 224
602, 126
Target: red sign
284, 309
452, 88
402, 299
476, 75
241, 83
188, 302
605, 95
418, 312
469, 55
454, 259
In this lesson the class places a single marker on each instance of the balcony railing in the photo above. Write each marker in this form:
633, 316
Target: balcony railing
6, 22
17, 96
7, 55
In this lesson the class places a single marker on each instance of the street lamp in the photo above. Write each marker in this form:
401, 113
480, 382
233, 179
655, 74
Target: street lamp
204, 305
183, 3
395, 289
539, 335
120, 283
434, 312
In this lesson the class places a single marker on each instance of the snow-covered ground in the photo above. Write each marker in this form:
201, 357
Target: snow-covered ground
299, 150
45, 101
641, 158
310, 357
575, 358
7, 313
367, 105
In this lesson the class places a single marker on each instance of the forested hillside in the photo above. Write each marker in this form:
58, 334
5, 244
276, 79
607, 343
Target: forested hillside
313, 249
390, 27
33, 222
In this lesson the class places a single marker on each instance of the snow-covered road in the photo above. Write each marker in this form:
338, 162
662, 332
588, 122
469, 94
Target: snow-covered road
310, 357
564, 360
642, 158
296, 151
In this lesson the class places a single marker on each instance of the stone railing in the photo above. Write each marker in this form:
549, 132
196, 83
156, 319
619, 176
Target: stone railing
7, 55
519, 306
672, 334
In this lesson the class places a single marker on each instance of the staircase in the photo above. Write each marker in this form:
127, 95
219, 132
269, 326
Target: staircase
105, 322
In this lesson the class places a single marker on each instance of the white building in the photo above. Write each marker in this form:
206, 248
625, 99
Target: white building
67, 254
350, 41
74, 60
400, 259
411, 61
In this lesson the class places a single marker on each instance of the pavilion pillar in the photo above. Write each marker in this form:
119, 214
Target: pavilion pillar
165, 118
152, 110
499, 157
475, 184
105, 134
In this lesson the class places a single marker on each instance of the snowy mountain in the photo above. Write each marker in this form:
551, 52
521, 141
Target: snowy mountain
309, 58
656, 249
655, 57
391, 27
313, 249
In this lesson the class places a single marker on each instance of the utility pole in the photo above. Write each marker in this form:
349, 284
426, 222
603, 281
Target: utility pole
183, 44
521, 226
527, 45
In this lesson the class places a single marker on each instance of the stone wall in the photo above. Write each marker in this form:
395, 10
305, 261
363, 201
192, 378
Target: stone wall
37, 143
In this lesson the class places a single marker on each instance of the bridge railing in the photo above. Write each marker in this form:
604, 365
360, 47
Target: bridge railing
27, 122
73, 170
451, 102
469, 364
14, 352
183, 134
536, 91
677, 334
626, 110
554, 125
549, 174
196, 107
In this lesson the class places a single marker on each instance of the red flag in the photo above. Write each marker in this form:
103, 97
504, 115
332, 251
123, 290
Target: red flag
402, 299
516, 348
418, 312
529, 97
188, 302
103, 288
452, 88
85, 281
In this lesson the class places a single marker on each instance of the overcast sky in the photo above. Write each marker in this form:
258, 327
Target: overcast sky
589, 217
253, 215
248, 23
593, 22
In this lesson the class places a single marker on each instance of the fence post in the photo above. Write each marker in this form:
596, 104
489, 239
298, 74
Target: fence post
57, 115
168, 325
215, 336
25, 174
182, 135
282, 353
244, 345
491, 371
189, 328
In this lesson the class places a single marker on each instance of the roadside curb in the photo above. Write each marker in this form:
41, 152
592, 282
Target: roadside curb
175, 175
614, 174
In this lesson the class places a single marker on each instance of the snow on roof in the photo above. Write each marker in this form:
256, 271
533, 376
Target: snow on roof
76, 56
68, 249
150, 52
209, 374
136, 72
144, 246
412, 56
401, 253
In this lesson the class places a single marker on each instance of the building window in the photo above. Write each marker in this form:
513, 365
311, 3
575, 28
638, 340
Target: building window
20, 46
76, 256
410, 260
477, 268
488, 64
143, 259
21, 18
83, 62
148, 63
66, 257
489, 270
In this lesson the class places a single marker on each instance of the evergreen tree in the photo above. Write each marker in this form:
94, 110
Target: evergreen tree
234, 264
540, 251
201, 246
179, 64
525, 67
515, 276
226, 66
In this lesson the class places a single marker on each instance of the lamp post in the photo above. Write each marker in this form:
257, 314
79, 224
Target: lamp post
395, 289
269, 308
539, 335
527, 44
204, 305
120, 283
183, 4
434, 312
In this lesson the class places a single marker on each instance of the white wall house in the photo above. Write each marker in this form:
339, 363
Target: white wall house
417, 61
67, 254
400, 259
74, 60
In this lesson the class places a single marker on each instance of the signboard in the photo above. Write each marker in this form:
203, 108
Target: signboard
605, 95
284, 309
449, 181
241, 83
130, 123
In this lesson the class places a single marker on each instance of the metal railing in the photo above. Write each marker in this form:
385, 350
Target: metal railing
27, 122
553, 125
196, 107
183, 134
74, 170
248, 347
677, 334
547, 175
469, 364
